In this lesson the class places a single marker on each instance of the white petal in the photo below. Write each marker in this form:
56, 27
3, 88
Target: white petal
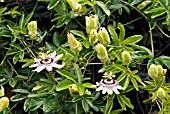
99, 88
49, 68
97, 83
40, 68
57, 65
52, 55
110, 91
58, 57
119, 87
104, 90
37, 60
34, 65
115, 90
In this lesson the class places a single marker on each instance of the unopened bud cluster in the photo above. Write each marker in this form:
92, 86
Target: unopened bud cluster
75, 6
101, 52
126, 57
4, 103
73, 43
32, 29
156, 71
161, 93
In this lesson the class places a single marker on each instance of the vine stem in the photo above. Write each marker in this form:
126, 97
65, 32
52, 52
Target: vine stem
12, 67
76, 108
150, 28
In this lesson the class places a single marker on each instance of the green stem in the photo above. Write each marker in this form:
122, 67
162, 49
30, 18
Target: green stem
76, 108
12, 67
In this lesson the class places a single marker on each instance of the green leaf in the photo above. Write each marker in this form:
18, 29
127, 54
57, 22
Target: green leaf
66, 74
86, 43
109, 104
52, 4
127, 101
138, 79
17, 46
38, 94
117, 111
121, 77
147, 101
113, 33
122, 68
104, 7
68, 51
88, 85
12, 82
78, 73
56, 39
89, 102
20, 91
132, 39
78, 33
160, 83
50, 103
63, 85
152, 10
126, 83
135, 84
166, 61
122, 32
2, 9
27, 104
11, 52
16, 58
21, 54
122, 104
85, 106
154, 96
81, 90
158, 13
18, 97
21, 21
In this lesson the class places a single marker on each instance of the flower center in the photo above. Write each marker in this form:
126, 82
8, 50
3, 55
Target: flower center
46, 61
109, 81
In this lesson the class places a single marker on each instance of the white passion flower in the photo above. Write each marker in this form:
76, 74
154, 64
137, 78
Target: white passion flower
108, 85
47, 62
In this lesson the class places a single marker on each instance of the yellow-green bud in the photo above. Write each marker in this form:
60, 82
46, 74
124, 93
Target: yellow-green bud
160, 70
101, 52
126, 58
32, 28
4, 103
161, 93
73, 43
73, 88
74, 5
144, 4
92, 22
164, 72
153, 71
93, 37
2, 92
87, 92
103, 36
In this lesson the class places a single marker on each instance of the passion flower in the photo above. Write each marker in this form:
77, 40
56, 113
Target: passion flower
47, 62
109, 86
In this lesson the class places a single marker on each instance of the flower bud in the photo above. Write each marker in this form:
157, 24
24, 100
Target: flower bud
101, 52
87, 92
4, 103
161, 93
103, 36
93, 37
32, 28
73, 43
160, 70
74, 5
164, 72
73, 88
2, 92
126, 58
153, 71
92, 22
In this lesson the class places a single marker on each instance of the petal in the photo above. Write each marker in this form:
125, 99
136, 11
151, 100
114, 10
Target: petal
34, 65
104, 90
52, 55
40, 68
97, 83
110, 91
99, 88
49, 68
119, 87
57, 65
58, 57
115, 90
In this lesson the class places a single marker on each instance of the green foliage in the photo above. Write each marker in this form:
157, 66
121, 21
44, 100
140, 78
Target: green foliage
71, 69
